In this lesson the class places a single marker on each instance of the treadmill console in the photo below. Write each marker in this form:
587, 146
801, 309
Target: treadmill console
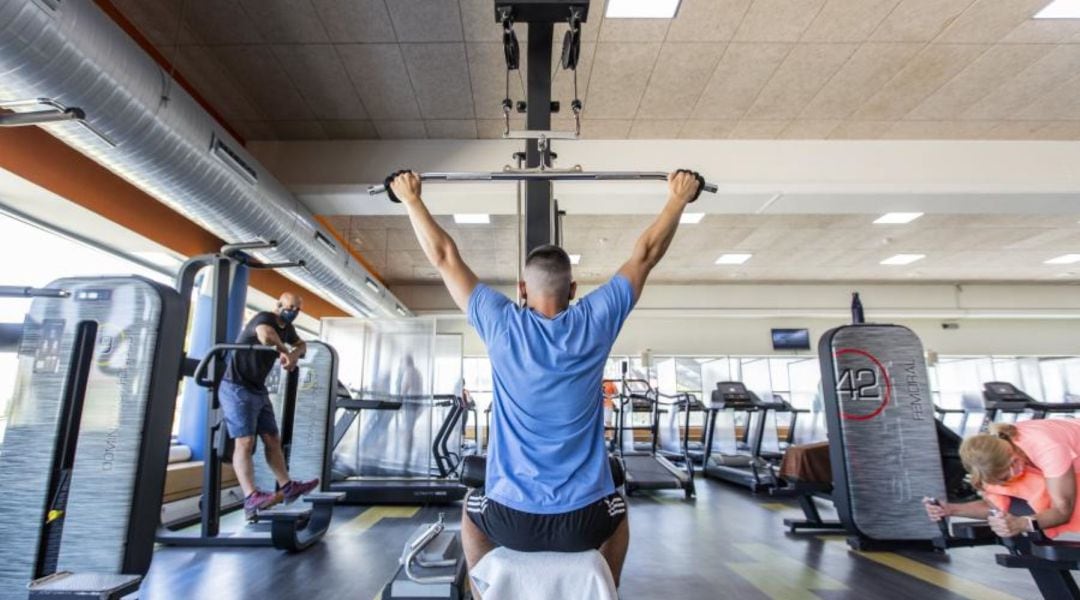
733, 395
999, 394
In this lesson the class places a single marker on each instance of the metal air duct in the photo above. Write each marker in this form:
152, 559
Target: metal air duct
140, 124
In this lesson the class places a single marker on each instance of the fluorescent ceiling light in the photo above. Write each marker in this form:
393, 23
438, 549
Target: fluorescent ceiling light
472, 219
575, 259
642, 9
1064, 259
691, 218
160, 259
1060, 9
733, 259
903, 259
897, 218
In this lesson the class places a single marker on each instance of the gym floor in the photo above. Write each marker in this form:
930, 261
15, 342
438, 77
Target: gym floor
726, 544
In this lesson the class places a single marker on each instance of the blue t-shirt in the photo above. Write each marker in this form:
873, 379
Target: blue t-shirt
546, 453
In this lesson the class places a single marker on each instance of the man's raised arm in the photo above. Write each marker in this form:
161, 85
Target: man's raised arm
654, 241
437, 244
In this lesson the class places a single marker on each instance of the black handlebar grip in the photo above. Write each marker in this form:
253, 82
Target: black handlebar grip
700, 182
389, 192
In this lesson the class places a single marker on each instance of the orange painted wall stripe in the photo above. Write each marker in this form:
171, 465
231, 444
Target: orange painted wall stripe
118, 17
34, 155
348, 247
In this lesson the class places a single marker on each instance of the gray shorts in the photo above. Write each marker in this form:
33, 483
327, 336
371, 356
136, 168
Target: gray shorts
246, 412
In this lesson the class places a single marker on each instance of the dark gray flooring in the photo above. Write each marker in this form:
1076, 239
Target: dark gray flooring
726, 544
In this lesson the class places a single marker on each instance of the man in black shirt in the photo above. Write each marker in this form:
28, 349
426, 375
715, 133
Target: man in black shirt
245, 402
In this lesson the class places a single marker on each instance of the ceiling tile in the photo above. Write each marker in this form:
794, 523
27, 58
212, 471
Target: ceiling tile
221, 22
634, 30
987, 21
707, 20
923, 75
450, 129
987, 73
478, 19
1061, 130
809, 129
707, 130
758, 130
861, 77
605, 129
351, 21
678, 79
656, 129
401, 130
777, 20
349, 130
426, 20
254, 130
319, 75
158, 21
1044, 31
797, 80
1063, 103
297, 130
742, 72
620, 74
487, 69
860, 130
918, 20
258, 71
848, 20
379, 75
938, 130
1035, 82
492, 129
285, 22
440, 77
214, 82
1015, 130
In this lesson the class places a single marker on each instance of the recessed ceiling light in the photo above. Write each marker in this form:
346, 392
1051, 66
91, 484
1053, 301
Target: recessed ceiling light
575, 259
897, 218
1064, 259
691, 218
160, 259
642, 9
903, 259
733, 259
472, 219
1060, 9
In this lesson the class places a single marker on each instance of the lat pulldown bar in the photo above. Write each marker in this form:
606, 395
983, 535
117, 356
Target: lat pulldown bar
548, 175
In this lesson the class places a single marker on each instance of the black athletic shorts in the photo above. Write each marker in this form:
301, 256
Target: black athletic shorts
575, 531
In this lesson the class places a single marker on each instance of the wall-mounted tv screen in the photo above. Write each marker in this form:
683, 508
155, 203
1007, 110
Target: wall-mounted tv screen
791, 339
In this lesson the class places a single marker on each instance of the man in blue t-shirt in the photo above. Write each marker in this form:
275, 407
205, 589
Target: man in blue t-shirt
548, 484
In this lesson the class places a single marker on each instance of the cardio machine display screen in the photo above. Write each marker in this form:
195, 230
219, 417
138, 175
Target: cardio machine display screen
791, 339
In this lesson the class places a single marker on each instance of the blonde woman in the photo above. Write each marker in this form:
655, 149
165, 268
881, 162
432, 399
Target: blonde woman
1035, 461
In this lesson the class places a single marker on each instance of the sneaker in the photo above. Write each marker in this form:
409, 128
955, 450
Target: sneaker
295, 489
259, 500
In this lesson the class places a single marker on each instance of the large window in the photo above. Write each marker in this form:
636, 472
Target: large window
36, 257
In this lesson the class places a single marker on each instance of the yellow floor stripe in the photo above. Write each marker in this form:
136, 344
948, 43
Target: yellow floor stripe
953, 583
913, 568
774, 506
367, 519
779, 576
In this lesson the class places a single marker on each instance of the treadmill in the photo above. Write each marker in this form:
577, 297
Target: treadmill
645, 467
747, 468
378, 483
1003, 398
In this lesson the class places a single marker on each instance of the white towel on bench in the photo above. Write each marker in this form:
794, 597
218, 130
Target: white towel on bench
504, 574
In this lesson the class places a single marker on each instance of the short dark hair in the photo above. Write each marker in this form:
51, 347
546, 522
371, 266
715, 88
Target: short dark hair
550, 258
547, 271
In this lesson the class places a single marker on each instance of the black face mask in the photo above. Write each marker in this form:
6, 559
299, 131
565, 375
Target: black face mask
289, 314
